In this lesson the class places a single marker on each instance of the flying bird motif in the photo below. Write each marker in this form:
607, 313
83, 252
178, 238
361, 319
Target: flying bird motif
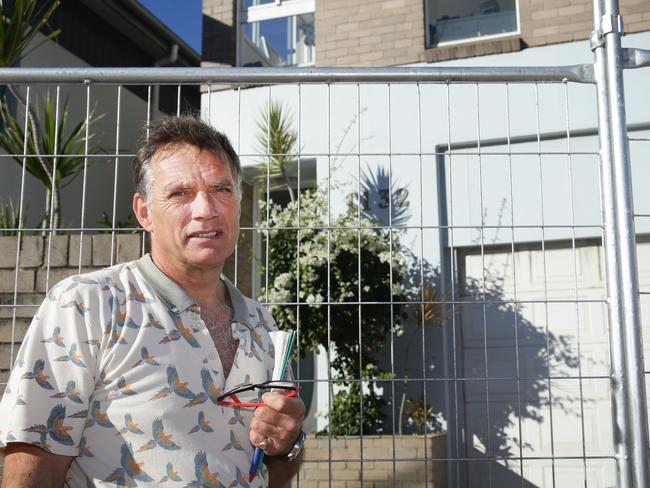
184, 330
152, 322
117, 314
237, 418
177, 386
19, 400
146, 358
234, 443
137, 295
197, 400
56, 338
209, 387
103, 380
81, 308
204, 478
84, 450
129, 467
172, 335
160, 438
80, 280
70, 392
72, 356
38, 374
123, 388
98, 417
242, 480
93, 342
55, 428
111, 286
130, 426
171, 475
81, 414
202, 424
115, 335
262, 320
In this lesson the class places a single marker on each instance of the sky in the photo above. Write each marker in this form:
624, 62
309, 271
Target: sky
182, 16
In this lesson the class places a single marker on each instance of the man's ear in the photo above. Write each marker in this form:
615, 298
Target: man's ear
142, 212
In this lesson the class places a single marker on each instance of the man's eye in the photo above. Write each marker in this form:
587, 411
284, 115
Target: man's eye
177, 194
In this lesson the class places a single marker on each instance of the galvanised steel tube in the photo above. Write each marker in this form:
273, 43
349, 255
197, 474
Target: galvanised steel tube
620, 415
628, 286
581, 73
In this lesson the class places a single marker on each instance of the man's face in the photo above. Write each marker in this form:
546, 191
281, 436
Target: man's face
193, 213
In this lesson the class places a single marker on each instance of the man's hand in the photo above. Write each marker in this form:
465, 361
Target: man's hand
279, 422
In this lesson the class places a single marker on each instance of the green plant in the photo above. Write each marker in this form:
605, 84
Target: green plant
19, 28
277, 139
106, 221
340, 264
58, 147
346, 411
10, 219
421, 414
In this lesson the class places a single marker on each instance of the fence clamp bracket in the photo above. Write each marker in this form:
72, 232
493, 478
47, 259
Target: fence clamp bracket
608, 24
612, 24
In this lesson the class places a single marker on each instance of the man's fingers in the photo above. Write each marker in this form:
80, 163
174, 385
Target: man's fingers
293, 406
278, 441
279, 422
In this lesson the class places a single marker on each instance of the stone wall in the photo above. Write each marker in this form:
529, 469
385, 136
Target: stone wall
42, 263
413, 472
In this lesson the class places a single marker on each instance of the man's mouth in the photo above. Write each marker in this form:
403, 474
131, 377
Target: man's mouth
205, 235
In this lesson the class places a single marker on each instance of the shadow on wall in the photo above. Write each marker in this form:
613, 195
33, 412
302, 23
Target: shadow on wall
480, 386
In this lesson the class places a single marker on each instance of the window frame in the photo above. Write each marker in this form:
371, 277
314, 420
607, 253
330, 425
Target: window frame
268, 11
469, 40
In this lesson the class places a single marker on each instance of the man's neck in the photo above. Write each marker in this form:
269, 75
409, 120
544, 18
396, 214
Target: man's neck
201, 284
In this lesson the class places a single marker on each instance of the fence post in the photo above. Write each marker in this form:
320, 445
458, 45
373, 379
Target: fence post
628, 382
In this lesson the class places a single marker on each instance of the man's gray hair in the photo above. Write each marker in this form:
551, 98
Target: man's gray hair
171, 131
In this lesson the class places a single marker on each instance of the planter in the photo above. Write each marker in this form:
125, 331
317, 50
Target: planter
414, 465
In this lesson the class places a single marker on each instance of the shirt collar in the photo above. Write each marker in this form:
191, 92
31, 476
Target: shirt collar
175, 297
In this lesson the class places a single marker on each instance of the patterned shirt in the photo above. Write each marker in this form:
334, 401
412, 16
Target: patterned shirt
119, 370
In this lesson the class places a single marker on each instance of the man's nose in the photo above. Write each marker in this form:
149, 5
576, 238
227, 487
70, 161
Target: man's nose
203, 206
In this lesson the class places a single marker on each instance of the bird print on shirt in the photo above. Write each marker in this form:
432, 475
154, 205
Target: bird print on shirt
160, 438
204, 478
38, 374
73, 356
55, 428
171, 475
55, 338
202, 424
129, 467
71, 393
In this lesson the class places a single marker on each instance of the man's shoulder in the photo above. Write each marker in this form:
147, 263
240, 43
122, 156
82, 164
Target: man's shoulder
112, 277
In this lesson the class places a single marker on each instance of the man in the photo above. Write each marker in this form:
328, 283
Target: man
121, 375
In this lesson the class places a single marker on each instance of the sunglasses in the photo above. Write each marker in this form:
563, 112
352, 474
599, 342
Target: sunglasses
230, 397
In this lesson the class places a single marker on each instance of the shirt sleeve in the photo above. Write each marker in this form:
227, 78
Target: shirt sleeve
46, 399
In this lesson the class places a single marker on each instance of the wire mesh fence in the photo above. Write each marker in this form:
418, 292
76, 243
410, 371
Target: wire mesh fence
437, 244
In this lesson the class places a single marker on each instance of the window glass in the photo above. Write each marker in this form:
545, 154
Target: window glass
455, 20
285, 41
251, 3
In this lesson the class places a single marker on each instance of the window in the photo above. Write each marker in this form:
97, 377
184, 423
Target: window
451, 21
276, 33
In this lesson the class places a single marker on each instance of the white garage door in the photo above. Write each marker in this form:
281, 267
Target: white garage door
536, 351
